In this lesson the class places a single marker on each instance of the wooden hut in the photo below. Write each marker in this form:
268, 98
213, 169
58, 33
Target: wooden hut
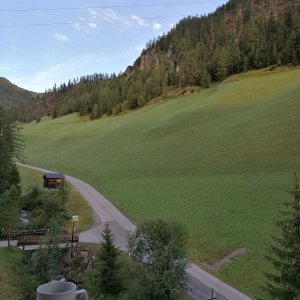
54, 180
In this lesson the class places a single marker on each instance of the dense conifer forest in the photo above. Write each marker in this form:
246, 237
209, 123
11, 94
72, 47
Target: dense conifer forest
239, 36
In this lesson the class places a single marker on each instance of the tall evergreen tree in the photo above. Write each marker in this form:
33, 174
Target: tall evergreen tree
108, 276
9, 149
9, 211
285, 253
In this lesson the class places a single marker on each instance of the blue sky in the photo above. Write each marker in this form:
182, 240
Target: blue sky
104, 36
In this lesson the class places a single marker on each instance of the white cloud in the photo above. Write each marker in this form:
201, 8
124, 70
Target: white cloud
110, 15
77, 26
96, 17
93, 12
84, 25
92, 25
106, 15
156, 26
59, 37
139, 21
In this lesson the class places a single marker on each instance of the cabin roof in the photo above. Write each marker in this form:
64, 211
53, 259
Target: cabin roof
54, 176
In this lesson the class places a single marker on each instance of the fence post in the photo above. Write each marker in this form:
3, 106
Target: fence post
8, 242
212, 295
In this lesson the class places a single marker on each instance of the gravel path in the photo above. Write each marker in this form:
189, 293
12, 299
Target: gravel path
200, 285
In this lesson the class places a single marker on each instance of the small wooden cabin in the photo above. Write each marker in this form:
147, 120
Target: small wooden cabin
54, 180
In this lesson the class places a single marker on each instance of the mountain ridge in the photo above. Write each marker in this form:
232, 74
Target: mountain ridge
239, 36
14, 98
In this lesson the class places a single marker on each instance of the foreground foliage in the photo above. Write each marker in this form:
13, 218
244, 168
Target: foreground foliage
105, 279
44, 206
285, 253
154, 270
10, 148
160, 247
9, 211
9, 259
46, 211
41, 266
10, 189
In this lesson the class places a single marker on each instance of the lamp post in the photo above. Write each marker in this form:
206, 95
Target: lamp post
74, 219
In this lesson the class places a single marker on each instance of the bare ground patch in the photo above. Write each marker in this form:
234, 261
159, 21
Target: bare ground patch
226, 259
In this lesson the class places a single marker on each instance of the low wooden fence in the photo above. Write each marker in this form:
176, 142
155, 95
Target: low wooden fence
23, 241
15, 234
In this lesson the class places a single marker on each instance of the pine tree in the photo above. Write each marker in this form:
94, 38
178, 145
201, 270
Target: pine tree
9, 149
108, 265
9, 211
285, 253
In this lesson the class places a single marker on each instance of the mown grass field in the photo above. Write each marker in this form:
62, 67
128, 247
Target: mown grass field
75, 206
220, 160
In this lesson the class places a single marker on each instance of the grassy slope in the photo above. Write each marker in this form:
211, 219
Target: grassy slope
8, 259
220, 161
76, 206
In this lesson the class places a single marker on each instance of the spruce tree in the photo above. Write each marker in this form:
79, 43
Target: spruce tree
108, 265
9, 211
285, 253
9, 150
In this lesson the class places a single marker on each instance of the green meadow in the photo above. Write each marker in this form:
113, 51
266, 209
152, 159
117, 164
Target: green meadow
220, 160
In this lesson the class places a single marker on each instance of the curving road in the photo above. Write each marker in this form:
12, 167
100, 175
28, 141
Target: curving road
200, 284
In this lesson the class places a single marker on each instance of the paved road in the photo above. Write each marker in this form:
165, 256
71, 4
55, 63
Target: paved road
4, 244
200, 284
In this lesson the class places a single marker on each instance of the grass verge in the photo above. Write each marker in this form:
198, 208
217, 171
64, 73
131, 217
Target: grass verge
8, 261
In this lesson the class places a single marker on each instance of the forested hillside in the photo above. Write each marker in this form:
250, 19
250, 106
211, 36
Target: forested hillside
239, 36
13, 98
